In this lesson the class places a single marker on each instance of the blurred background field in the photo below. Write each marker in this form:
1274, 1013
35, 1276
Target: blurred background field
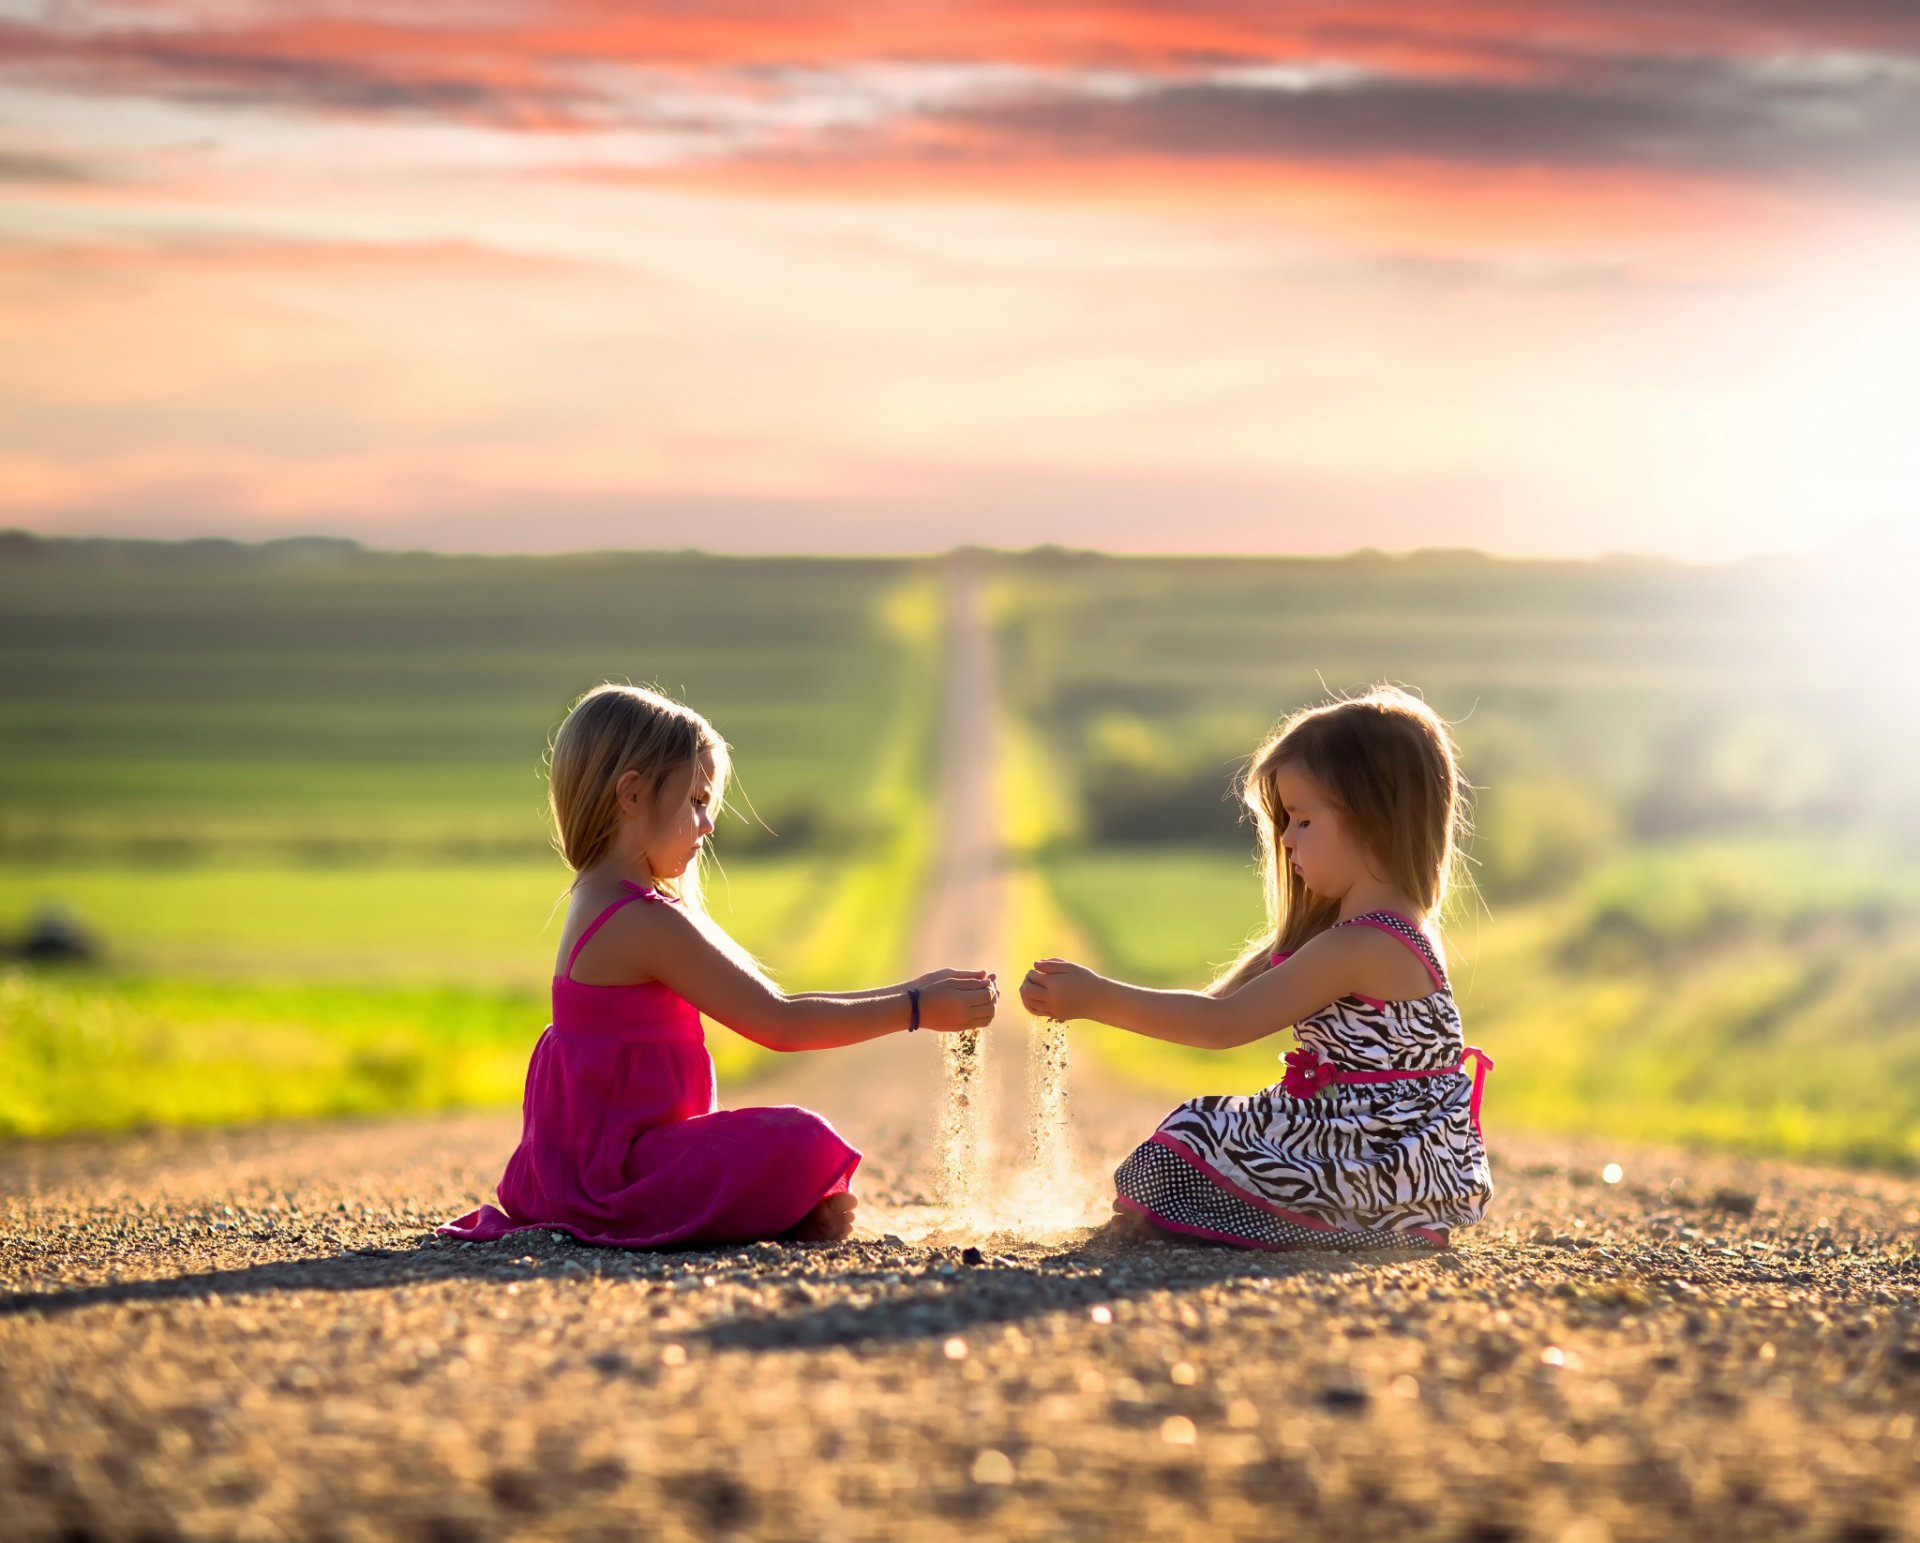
296, 792
1696, 902
1551, 282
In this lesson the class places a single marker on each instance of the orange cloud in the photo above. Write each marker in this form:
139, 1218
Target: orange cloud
511, 46
449, 265
533, 67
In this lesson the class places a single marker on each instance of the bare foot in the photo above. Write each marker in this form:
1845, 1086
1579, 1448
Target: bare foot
828, 1222
1131, 1227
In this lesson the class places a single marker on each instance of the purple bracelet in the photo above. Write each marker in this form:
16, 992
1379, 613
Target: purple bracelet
913, 999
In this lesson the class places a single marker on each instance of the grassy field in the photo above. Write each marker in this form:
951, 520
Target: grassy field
1698, 862
296, 793
241, 992
325, 703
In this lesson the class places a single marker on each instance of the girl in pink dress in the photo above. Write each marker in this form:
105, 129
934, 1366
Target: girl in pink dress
621, 1141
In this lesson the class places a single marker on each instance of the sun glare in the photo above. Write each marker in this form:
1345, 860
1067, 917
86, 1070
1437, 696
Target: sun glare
1826, 464
1842, 451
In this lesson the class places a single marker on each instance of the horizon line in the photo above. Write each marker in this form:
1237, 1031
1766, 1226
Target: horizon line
11, 536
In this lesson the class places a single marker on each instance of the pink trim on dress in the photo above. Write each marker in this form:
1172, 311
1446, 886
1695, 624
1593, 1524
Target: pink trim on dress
1482, 1064
1439, 980
1308, 1071
1299, 1218
1376, 1003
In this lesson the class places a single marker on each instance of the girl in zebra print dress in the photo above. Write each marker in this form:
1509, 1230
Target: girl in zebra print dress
1372, 1138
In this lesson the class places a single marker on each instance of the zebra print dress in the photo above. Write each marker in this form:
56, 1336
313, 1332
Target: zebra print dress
1380, 1163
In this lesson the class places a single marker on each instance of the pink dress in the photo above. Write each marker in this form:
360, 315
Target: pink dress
621, 1143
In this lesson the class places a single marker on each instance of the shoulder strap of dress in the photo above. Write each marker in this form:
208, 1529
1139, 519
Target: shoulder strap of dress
601, 920
1395, 925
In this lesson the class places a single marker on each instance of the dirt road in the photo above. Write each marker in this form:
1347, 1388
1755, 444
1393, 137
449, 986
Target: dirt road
955, 1149
958, 928
256, 1335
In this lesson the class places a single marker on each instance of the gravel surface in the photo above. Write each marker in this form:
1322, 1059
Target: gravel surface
256, 1334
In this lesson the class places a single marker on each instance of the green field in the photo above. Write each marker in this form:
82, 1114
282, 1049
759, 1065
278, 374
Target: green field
243, 992
296, 792
1697, 913
323, 703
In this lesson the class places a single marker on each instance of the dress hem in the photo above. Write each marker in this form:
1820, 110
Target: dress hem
1437, 1236
478, 1226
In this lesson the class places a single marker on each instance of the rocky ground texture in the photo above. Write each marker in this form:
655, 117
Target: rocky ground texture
257, 1335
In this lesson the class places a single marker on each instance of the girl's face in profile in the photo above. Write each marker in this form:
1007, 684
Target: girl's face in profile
683, 820
1315, 843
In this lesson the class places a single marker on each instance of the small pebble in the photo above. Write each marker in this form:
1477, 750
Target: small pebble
992, 1467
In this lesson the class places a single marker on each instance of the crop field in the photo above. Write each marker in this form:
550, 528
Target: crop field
317, 701
1695, 901
295, 793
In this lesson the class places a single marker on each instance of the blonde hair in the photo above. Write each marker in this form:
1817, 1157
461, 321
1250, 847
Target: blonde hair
1388, 763
609, 732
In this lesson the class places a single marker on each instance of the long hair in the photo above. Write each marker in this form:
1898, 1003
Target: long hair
1388, 763
609, 732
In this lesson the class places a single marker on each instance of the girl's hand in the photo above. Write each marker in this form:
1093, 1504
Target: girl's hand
935, 977
957, 999
1058, 989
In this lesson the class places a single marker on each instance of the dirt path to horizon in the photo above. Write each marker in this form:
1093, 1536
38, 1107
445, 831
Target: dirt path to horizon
892, 1097
255, 1335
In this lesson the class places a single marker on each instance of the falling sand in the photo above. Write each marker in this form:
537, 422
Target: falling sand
1043, 1194
1049, 1145
998, 1168
963, 1124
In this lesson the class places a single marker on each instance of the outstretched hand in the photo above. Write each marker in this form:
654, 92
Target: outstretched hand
957, 999
1058, 988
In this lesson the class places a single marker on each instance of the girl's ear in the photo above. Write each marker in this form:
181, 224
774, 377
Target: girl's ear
630, 793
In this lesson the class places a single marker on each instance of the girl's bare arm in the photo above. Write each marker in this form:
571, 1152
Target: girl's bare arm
663, 942
921, 982
1321, 972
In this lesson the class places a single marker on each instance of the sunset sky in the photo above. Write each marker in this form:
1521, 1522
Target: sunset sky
1557, 278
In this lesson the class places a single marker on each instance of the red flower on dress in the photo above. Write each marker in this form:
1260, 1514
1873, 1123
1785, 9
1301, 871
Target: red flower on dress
1308, 1073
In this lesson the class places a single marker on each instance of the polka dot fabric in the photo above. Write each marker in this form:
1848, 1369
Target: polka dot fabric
1165, 1187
